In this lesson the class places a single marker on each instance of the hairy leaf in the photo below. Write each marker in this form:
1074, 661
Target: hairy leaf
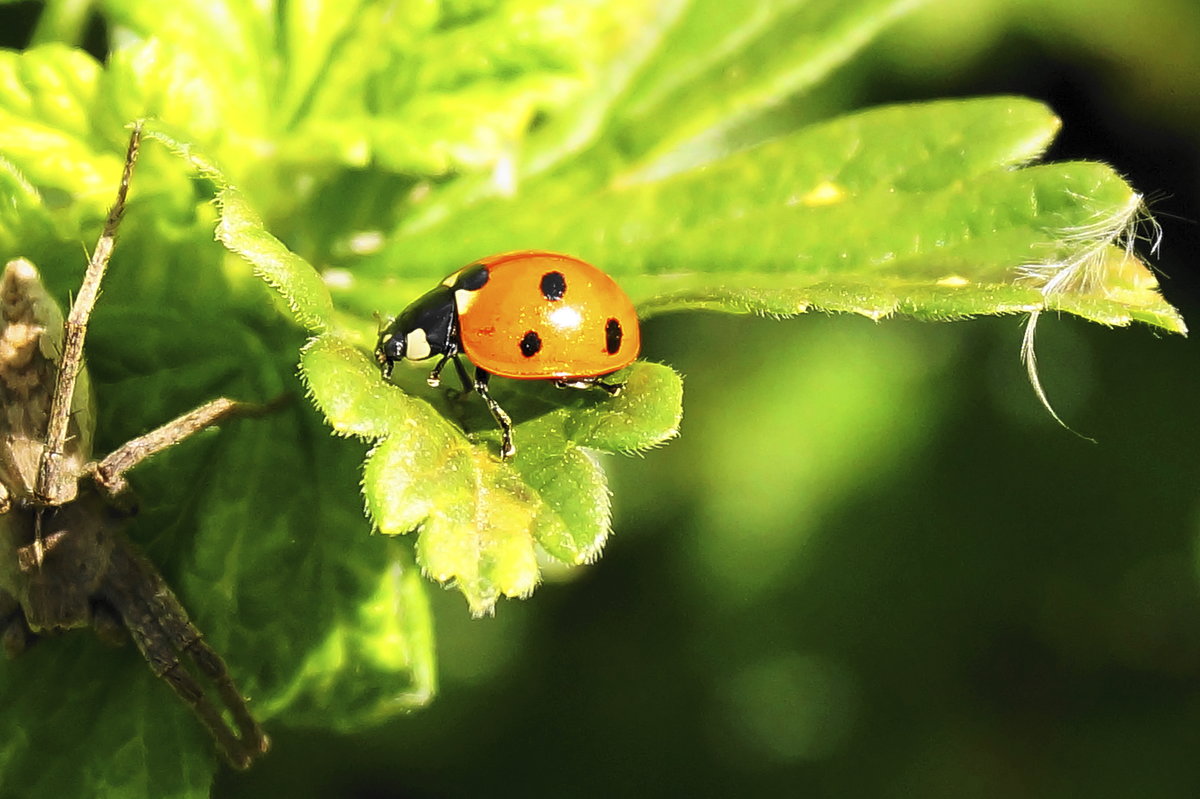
912, 209
481, 520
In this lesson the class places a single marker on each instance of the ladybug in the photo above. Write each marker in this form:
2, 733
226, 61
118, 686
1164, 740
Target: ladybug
528, 315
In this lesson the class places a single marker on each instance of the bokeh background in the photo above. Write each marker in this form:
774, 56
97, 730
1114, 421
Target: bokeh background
873, 565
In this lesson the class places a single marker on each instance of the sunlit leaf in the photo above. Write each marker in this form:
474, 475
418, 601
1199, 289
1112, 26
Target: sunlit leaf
725, 62
480, 519
46, 98
912, 209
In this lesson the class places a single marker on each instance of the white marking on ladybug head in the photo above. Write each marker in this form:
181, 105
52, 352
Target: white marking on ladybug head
463, 299
416, 346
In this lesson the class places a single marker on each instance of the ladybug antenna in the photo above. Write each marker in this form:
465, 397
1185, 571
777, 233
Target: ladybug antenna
380, 322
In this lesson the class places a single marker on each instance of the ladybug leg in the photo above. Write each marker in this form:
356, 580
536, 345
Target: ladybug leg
435, 377
481, 385
462, 375
612, 389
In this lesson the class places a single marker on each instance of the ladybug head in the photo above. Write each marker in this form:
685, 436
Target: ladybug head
389, 349
424, 329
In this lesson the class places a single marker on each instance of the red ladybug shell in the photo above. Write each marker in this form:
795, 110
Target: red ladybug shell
542, 315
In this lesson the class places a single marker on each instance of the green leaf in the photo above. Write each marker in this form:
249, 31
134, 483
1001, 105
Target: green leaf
879, 152
354, 645
481, 520
149, 742
24, 218
619, 216
80, 719
911, 209
241, 230
724, 62
166, 66
46, 98
645, 414
414, 87
625, 36
693, 72
423, 89
59, 144
271, 503
237, 518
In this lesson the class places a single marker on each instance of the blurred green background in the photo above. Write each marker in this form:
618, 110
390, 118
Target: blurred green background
872, 564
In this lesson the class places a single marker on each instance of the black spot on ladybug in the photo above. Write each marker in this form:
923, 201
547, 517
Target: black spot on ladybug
554, 286
612, 336
531, 344
473, 278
